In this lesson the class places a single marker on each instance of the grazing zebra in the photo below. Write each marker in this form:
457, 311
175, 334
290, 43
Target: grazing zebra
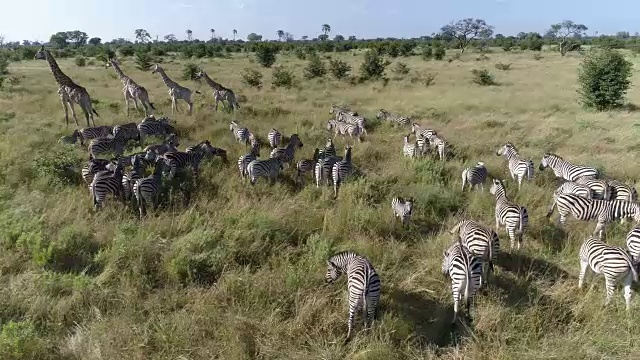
409, 149
101, 186
328, 150
475, 175
265, 168
210, 151
306, 166
147, 190
340, 112
571, 187
323, 169
152, 127
90, 133
439, 144
399, 120
274, 137
633, 244
288, 153
344, 129
402, 208
103, 145
603, 211
465, 271
353, 118
178, 160
514, 217
241, 134
599, 188
481, 241
422, 133
129, 179
622, 191
341, 170
363, 285
71, 139
92, 167
566, 170
171, 143
612, 261
518, 166
245, 159
127, 132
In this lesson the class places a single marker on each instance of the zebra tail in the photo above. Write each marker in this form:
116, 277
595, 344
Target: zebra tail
364, 298
521, 220
464, 178
137, 194
95, 112
553, 206
455, 228
151, 105
467, 287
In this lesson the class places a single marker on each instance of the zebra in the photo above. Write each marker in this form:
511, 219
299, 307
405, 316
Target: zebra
481, 241
363, 285
114, 144
340, 112
612, 261
518, 166
328, 150
306, 166
171, 143
147, 190
103, 185
178, 160
422, 133
127, 132
92, 167
241, 134
90, 133
633, 244
571, 187
599, 188
514, 217
324, 168
265, 168
399, 120
402, 208
409, 149
288, 153
438, 143
603, 211
475, 175
152, 127
342, 128
622, 191
129, 180
341, 170
244, 160
209, 151
275, 137
566, 170
71, 139
353, 118
465, 272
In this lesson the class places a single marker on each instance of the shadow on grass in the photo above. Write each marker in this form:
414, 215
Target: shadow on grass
525, 266
553, 236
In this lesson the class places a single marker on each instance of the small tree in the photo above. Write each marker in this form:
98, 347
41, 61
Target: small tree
439, 52
315, 68
373, 66
81, 61
189, 71
142, 35
604, 78
427, 53
252, 78
143, 61
266, 54
339, 69
483, 77
282, 77
565, 30
467, 30
95, 41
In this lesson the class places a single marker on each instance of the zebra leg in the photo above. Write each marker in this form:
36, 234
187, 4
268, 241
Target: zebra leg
456, 306
599, 230
584, 267
610, 284
352, 312
512, 236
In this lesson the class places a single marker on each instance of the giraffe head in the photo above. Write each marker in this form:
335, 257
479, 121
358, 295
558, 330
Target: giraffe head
156, 69
110, 62
41, 54
199, 74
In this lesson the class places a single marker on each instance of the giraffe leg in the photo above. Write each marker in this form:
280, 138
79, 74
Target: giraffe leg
66, 112
73, 113
126, 101
190, 111
174, 105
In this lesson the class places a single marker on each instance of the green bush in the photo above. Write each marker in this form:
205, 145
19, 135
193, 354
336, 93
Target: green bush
339, 69
483, 77
19, 340
401, 69
439, 52
189, 71
252, 78
126, 51
57, 165
537, 57
300, 53
604, 78
373, 66
266, 54
81, 61
282, 77
143, 61
27, 52
427, 53
315, 68
503, 67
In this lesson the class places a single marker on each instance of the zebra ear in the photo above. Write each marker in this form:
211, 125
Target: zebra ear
330, 263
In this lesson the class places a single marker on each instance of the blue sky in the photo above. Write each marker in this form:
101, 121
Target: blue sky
107, 19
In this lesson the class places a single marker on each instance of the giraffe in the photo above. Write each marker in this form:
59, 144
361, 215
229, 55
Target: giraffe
131, 90
220, 93
176, 91
68, 91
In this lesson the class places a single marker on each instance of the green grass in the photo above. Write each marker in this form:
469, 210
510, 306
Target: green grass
239, 273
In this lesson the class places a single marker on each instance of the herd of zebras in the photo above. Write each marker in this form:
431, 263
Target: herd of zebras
585, 194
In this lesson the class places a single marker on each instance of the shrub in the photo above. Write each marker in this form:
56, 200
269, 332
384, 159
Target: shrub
315, 68
604, 79
14, 80
20, 340
27, 52
483, 77
429, 79
339, 69
300, 53
401, 69
189, 71
4, 64
537, 57
503, 67
1, 80
373, 66
126, 51
106, 54
507, 46
252, 78
266, 54
57, 165
439, 52
143, 61
427, 53
282, 77
81, 61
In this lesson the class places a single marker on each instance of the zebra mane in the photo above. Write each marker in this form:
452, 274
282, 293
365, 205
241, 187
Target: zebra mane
342, 254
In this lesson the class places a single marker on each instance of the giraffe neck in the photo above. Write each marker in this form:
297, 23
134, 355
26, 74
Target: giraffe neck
170, 83
61, 78
212, 83
121, 75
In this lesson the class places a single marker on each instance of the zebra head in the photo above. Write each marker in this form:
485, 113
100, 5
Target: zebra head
233, 125
150, 156
505, 149
382, 114
295, 140
406, 138
333, 272
331, 124
544, 162
480, 164
172, 140
497, 187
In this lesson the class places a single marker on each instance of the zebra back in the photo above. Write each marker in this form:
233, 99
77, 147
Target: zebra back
565, 169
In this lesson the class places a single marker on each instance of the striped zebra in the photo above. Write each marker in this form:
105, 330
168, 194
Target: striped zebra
240, 133
613, 262
275, 138
439, 144
90, 133
306, 166
422, 133
101, 186
71, 139
344, 129
603, 211
152, 127
129, 179
147, 190
402, 208
633, 244
171, 143
465, 272
409, 149
210, 151
103, 145
571, 187
328, 150
264, 168
622, 191
324, 168
394, 119
518, 166
341, 170
288, 153
481, 241
363, 285
566, 170
475, 176
340, 112
514, 217
355, 119
92, 167
127, 132
244, 160
177, 161
600, 189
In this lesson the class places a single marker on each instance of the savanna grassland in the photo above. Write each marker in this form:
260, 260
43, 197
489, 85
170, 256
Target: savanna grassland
239, 272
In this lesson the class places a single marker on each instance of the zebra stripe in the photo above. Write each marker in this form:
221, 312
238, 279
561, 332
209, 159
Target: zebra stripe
95, 132
288, 153
633, 243
264, 168
353, 118
105, 145
178, 160
475, 176
341, 171
152, 127
409, 149
101, 186
481, 241
571, 187
147, 190
611, 261
603, 211
599, 188
71, 139
92, 167
324, 168
345, 129
465, 272
422, 133
127, 132
129, 180
171, 143
518, 166
363, 285
622, 191
306, 166
566, 170
275, 138
402, 208
514, 217
244, 160
328, 150
439, 144
241, 134
395, 119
